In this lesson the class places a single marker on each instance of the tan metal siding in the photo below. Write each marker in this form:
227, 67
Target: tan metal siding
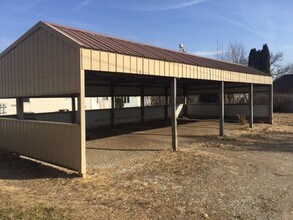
56, 143
120, 66
40, 65
128, 64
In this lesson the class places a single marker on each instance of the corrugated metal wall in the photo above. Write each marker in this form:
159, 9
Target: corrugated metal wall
212, 110
56, 143
40, 65
64, 117
127, 115
98, 118
101, 118
155, 112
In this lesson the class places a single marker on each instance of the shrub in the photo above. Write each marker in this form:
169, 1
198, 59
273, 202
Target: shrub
242, 119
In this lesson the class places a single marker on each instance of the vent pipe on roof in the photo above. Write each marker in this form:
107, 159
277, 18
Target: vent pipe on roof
182, 49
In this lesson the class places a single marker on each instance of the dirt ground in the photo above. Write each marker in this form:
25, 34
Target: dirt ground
248, 174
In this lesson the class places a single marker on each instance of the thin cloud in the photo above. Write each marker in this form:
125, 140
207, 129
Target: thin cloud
206, 53
176, 6
18, 6
184, 5
242, 25
81, 5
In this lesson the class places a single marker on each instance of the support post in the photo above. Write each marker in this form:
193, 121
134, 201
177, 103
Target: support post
185, 102
222, 108
112, 105
251, 106
82, 122
19, 108
73, 109
166, 101
142, 103
271, 104
173, 114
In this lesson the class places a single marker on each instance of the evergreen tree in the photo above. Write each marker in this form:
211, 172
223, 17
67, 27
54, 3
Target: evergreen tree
266, 59
252, 58
260, 59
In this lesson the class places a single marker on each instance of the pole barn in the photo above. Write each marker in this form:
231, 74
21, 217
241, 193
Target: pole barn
56, 61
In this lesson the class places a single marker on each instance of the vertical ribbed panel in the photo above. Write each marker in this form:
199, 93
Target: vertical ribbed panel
232, 110
112, 62
56, 143
42, 64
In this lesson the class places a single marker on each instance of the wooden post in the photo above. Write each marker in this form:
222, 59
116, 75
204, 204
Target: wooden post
82, 122
222, 108
19, 108
166, 101
271, 104
73, 109
173, 114
251, 106
112, 105
142, 103
185, 102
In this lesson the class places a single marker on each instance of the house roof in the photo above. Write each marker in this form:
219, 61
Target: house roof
102, 42
284, 84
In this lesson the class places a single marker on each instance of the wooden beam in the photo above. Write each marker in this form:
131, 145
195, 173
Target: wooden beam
173, 114
251, 106
271, 104
166, 102
142, 103
112, 105
82, 122
73, 110
185, 101
19, 108
222, 108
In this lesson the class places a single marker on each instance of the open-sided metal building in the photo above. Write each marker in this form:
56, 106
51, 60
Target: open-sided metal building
56, 61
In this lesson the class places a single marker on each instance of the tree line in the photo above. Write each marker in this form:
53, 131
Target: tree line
261, 59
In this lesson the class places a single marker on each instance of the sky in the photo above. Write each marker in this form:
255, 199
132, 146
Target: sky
198, 24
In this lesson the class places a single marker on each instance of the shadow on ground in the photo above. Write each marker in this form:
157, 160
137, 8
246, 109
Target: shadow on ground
13, 167
122, 149
99, 133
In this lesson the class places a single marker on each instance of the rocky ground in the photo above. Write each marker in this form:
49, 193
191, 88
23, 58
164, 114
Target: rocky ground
248, 174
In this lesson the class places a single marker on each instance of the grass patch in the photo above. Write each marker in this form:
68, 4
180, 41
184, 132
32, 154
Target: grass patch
10, 210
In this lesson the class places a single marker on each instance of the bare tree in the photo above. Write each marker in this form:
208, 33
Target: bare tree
235, 52
278, 69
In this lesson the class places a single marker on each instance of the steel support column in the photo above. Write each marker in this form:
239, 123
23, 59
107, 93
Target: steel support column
185, 102
82, 122
19, 108
166, 102
173, 114
112, 105
251, 106
142, 103
271, 104
73, 109
222, 108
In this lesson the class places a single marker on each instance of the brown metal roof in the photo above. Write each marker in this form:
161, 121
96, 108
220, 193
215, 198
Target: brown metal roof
101, 42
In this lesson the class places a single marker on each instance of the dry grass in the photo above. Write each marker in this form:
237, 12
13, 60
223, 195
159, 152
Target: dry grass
246, 175
242, 119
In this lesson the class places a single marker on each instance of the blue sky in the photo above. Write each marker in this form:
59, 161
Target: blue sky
198, 24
